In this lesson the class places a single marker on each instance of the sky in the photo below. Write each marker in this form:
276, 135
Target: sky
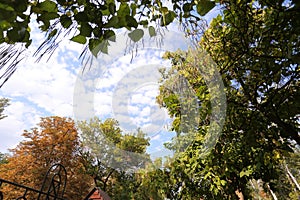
115, 86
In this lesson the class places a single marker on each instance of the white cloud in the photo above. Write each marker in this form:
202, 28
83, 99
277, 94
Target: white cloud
47, 88
20, 116
38, 89
134, 110
156, 137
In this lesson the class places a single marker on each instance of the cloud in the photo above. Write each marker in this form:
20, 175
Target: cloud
39, 89
156, 137
117, 85
20, 116
43, 84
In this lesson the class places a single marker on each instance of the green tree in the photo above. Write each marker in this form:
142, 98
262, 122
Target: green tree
110, 167
3, 158
95, 23
256, 48
3, 103
287, 184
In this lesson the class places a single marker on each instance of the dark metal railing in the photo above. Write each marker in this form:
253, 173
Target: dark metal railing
53, 186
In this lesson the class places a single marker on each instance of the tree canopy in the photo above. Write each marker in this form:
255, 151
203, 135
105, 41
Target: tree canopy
55, 140
3, 103
92, 23
256, 48
255, 45
107, 165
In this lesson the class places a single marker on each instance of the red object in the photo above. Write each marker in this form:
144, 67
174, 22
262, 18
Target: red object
97, 194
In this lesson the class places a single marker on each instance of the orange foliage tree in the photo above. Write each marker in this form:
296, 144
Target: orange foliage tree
55, 140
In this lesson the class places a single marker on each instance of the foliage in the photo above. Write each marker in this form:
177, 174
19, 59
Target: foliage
55, 140
3, 104
3, 158
285, 185
153, 182
256, 48
108, 166
94, 22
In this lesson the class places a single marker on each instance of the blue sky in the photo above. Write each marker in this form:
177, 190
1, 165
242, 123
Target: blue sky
48, 88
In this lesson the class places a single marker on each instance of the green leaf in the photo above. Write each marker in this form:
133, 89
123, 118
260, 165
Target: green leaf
109, 35
97, 32
36, 10
112, 23
223, 182
46, 17
45, 26
246, 172
112, 8
104, 46
136, 35
144, 22
123, 10
152, 31
4, 24
187, 7
15, 35
105, 11
65, 21
81, 17
168, 18
164, 10
53, 33
97, 45
131, 22
81, 2
204, 6
6, 7
79, 39
20, 5
28, 43
48, 6
1, 36
133, 9
85, 29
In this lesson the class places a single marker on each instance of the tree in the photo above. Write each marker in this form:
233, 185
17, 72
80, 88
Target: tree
3, 104
256, 48
261, 60
95, 23
3, 158
55, 140
154, 183
106, 156
287, 184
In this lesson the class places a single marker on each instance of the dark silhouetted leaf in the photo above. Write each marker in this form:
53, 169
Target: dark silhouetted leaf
110, 35
204, 6
131, 22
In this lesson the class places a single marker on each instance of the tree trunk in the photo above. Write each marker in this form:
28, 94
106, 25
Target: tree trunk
292, 177
272, 193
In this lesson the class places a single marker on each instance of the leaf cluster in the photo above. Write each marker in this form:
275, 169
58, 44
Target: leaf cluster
256, 48
93, 23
